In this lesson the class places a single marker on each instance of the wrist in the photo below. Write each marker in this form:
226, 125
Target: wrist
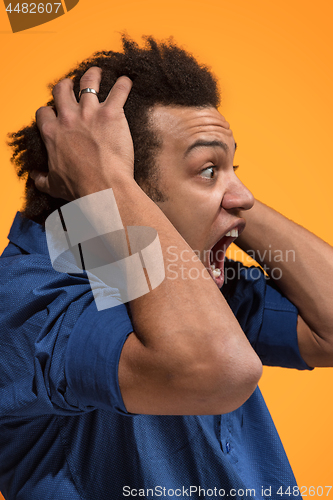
104, 181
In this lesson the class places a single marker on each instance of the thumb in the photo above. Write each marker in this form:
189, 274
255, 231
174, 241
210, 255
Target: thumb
41, 180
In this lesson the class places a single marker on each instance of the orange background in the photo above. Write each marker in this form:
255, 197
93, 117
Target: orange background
274, 62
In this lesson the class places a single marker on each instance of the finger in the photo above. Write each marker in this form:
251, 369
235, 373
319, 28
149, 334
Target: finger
225, 124
63, 94
41, 181
119, 92
45, 117
91, 79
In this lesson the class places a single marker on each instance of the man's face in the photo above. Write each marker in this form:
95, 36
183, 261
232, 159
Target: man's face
204, 197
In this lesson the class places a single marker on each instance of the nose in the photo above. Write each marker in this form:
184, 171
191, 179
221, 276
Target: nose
237, 196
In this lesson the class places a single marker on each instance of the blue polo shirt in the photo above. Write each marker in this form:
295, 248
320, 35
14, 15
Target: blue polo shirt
64, 430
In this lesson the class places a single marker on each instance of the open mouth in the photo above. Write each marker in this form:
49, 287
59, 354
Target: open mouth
217, 256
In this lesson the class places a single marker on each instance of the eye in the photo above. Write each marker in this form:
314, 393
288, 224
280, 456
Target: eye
208, 173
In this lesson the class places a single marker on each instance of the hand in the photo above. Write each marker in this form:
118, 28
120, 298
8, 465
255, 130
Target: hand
88, 143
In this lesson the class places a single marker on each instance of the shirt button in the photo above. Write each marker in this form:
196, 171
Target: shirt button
227, 447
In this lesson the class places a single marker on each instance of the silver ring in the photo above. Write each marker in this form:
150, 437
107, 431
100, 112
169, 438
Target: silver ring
88, 90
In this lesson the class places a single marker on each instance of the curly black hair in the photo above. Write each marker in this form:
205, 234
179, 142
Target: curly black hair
162, 73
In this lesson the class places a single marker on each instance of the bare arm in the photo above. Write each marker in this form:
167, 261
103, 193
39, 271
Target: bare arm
306, 264
188, 354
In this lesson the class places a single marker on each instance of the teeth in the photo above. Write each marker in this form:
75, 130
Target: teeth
216, 273
233, 233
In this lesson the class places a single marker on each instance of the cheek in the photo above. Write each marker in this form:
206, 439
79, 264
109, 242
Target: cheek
200, 208
191, 209
206, 206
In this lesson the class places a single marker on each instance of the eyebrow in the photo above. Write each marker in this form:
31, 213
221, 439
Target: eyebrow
208, 144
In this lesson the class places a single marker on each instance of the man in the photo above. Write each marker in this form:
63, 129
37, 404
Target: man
90, 396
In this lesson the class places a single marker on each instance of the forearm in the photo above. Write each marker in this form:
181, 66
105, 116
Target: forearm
185, 324
303, 264
187, 353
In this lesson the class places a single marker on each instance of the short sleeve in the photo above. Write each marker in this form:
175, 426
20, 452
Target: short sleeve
268, 318
59, 354
93, 354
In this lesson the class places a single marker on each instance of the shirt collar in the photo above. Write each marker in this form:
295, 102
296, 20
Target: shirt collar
28, 235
